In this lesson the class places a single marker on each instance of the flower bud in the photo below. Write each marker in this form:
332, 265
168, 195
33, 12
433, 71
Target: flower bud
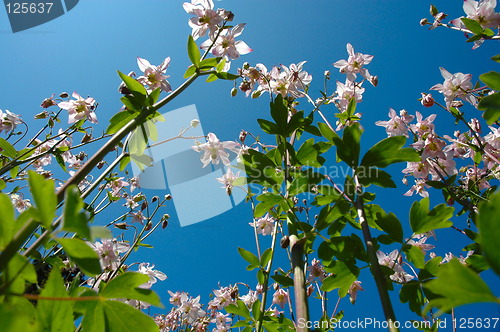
47, 102
234, 91
168, 197
121, 225
256, 94
373, 80
310, 290
42, 115
243, 136
424, 21
101, 164
427, 100
149, 225
164, 224
194, 123
64, 95
154, 199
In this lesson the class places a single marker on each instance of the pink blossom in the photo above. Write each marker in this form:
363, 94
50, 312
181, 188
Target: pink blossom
346, 91
264, 225
79, 108
391, 261
280, 297
397, 125
423, 126
214, 151
9, 121
431, 147
455, 86
483, 12
226, 45
418, 188
249, 298
419, 242
228, 179
354, 64
109, 252
138, 217
316, 271
154, 76
222, 298
353, 291
19, 203
154, 275
206, 18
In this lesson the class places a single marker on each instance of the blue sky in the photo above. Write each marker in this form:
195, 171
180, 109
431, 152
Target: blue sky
81, 51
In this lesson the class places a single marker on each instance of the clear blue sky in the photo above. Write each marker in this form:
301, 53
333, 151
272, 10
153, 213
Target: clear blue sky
82, 49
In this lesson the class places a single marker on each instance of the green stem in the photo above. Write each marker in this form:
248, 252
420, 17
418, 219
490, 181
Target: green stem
380, 279
29, 227
299, 281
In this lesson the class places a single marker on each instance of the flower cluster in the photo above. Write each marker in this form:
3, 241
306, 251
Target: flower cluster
291, 81
222, 41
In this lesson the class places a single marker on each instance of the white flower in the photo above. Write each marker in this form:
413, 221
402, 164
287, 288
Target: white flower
206, 18
214, 150
354, 64
154, 76
144, 268
79, 108
9, 121
455, 86
228, 179
225, 45
264, 225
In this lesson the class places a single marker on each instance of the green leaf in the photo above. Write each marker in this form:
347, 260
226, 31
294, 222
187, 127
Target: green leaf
266, 257
343, 277
209, 63
327, 132
193, 51
283, 280
309, 154
372, 175
489, 230
473, 25
458, 285
82, 255
124, 162
388, 151
136, 88
190, 71
239, 309
14, 320
412, 293
211, 78
349, 149
55, 315
491, 79
19, 271
226, 76
6, 220
491, 105
3, 185
279, 112
153, 96
422, 220
267, 126
390, 224
93, 318
415, 255
496, 58
74, 219
126, 285
249, 257
121, 317
43, 191
304, 181
7, 149
267, 201
119, 120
